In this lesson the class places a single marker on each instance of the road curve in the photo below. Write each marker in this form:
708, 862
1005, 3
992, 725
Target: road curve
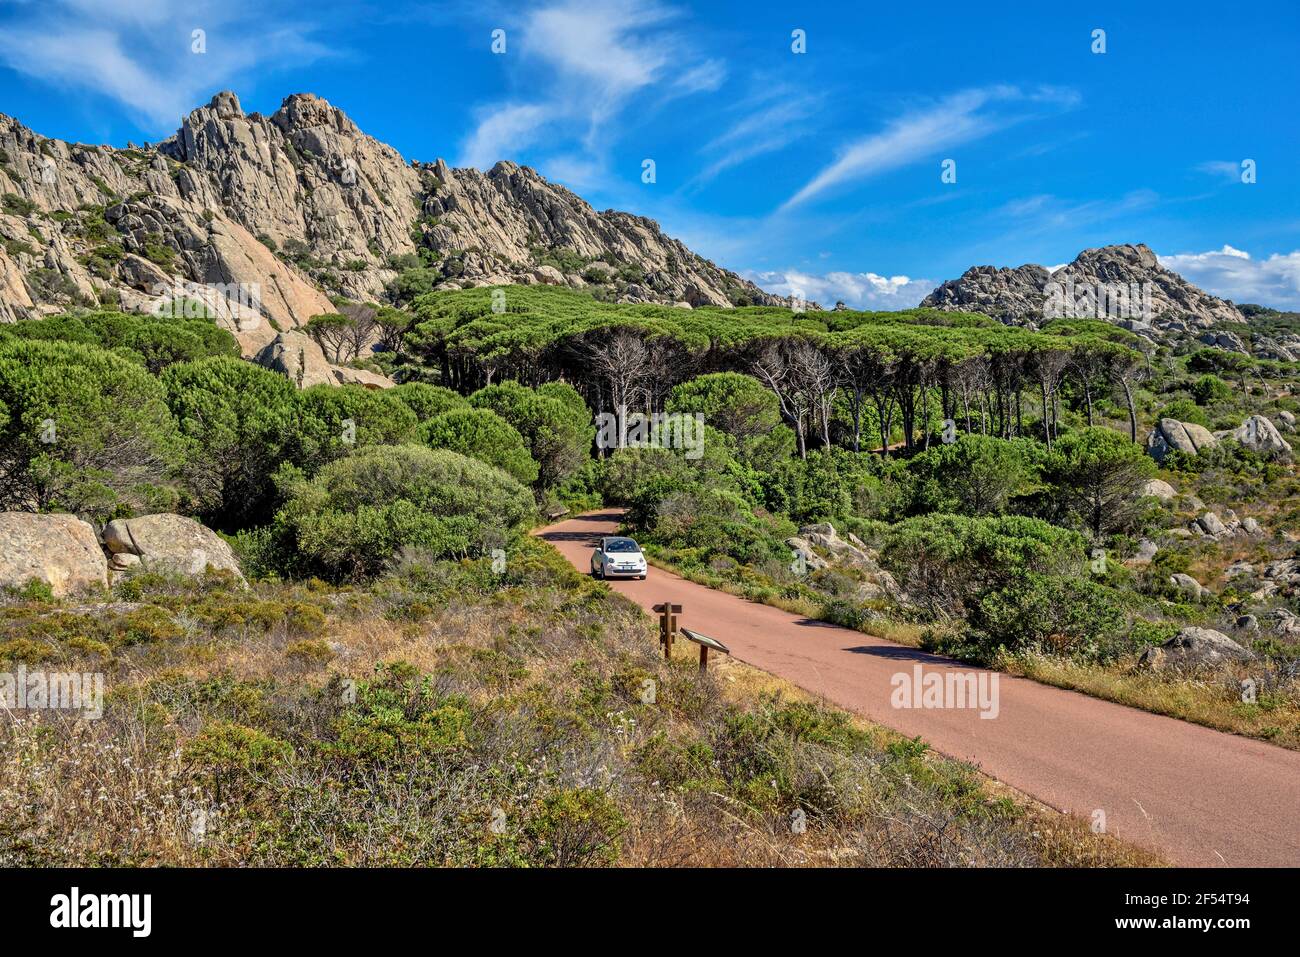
1199, 797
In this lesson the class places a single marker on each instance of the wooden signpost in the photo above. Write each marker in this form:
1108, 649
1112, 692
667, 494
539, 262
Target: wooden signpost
668, 629
668, 613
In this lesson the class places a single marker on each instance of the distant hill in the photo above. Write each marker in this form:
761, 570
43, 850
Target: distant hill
1153, 299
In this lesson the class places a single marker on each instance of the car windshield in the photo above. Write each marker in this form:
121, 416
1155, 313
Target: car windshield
621, 545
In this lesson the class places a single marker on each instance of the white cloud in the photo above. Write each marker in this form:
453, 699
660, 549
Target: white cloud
589, 61
776, 117
858, 290
502, 132
1233, 274
1047, 213
138, 52
957, 119
1224, 169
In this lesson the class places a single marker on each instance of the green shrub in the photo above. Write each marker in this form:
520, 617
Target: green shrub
426, 400
84, 431
554, 422
236, 417
945, 562
357, 513
974, 475
333, 421
16, 205
224, 755
1094, 476
576, 827
1210, 388
154, 341
1185, 410
1069, 617
483, 435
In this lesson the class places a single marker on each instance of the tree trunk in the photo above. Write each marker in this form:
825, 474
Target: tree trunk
1132, 412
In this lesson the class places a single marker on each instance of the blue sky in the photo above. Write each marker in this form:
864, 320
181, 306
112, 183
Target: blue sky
817, 171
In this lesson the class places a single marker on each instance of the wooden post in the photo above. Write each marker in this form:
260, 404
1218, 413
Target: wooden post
704, 658
668, 613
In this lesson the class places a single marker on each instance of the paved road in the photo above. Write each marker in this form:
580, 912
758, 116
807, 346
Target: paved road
1200, 797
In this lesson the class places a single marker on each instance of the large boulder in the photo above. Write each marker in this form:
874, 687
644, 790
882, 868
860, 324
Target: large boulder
1260, 435
1170, 435
1157, 488
1228, 341
346, 375
1210, 524
60, 550
1146, 551
1194, 649
1188, 585
300, 357
168, 543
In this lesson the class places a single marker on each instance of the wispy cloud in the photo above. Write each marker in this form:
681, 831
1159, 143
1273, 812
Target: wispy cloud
1045, 212
1221, 169
859, 290
503, 129
589, 61
140, 53
769, 121
1233, 274
924, 132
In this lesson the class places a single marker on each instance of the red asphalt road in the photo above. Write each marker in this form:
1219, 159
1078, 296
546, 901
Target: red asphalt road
1197, 796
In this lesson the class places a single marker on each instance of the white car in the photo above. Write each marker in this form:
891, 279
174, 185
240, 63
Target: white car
618, 558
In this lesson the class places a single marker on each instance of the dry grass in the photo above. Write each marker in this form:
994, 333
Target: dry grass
493, 723
1212, 701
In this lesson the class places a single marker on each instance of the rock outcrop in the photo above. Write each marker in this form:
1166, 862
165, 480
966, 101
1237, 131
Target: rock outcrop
1123, 284
1157, 488
1195, 649
1012, 295
168, 543
300, 358
1260, 435
59, 550
1188, 585
820, 547
1170, 435
291, 209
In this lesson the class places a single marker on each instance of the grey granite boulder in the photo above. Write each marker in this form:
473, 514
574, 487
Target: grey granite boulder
169, 543
61, 551
1194, 649
1170, 435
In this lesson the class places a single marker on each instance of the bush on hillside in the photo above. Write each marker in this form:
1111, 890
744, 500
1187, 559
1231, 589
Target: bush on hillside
356, 514
237, 418
1095, 476
975, 475
555, 423
153, 341
945, 562
83, 430
426, 400
333, 421
483, 435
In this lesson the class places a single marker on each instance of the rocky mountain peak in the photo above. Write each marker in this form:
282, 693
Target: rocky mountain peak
307, 110
305, 207
1123, 283
226, 105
